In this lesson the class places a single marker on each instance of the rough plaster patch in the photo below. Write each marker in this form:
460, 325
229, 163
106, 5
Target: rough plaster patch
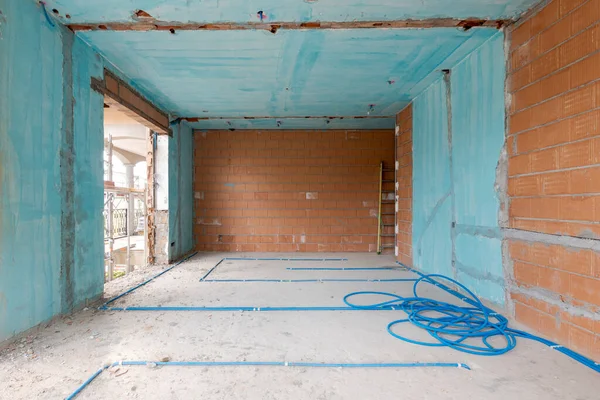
397, 133
350, 135
479, 275
199, 195
397, 167
555, 300
501, 187
2, 22
209, 221
566, 241
312, 195
373, 212
397, 229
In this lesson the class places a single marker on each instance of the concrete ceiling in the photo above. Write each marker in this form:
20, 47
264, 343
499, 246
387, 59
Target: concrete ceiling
232, 74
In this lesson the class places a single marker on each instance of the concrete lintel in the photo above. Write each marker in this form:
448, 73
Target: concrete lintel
273, 27
121, 96
196, 119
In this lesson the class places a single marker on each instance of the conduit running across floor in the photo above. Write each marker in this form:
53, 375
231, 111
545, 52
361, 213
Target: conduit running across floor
105, 305
267, 259
311, 280
349, 269
451, 325
261, 364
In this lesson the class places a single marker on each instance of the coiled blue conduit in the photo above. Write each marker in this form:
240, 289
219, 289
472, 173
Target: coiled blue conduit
469, 329
262, 364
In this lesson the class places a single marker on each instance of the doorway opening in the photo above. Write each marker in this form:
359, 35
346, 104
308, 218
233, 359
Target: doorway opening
126, 188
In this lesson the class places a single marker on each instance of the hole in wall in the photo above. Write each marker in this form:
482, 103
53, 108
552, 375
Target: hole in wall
102, 27
142, 14
55, 11
68, 16
172, 31
274, 29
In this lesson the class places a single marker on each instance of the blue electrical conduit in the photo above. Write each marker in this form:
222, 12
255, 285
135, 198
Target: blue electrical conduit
266, 259
455, 326
261, 364
105, 305
282, 259
125, 293
349, 269
310, 280
246, 308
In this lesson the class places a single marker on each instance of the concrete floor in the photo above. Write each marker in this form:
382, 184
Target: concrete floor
52, 362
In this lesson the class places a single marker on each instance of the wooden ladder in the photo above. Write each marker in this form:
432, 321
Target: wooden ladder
386, 220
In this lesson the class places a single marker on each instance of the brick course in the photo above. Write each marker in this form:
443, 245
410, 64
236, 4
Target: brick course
303, 191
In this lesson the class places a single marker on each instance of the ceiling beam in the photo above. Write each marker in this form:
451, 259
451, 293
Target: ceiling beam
273, 27
197, 119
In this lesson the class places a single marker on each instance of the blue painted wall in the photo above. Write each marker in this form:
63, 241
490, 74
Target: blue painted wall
477, 140
50, 136
286, 10
31, 125
454, 173
88, 130
432, 200
181, 195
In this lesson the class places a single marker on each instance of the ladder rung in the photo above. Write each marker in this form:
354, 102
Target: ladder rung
387, 235
388, 181
388, 170
388, 213
388, 246
388, 225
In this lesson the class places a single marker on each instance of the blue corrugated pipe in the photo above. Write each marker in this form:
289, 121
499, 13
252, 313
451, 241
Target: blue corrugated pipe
455, 326
263, 364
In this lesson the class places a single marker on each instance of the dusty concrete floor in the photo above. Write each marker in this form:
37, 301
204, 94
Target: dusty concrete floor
54, 361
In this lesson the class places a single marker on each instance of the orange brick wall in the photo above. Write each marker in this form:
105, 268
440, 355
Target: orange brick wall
554, 169
404, 187
304, 191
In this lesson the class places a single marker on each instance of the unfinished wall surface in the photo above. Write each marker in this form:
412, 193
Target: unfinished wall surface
289, 190
404, 173
181, 195
50, 227
477, 140
554, 173
88, 174
458, 138
432, 186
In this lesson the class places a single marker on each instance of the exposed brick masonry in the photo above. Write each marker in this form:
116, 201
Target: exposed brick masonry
404, 179
554, 169
303, 191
